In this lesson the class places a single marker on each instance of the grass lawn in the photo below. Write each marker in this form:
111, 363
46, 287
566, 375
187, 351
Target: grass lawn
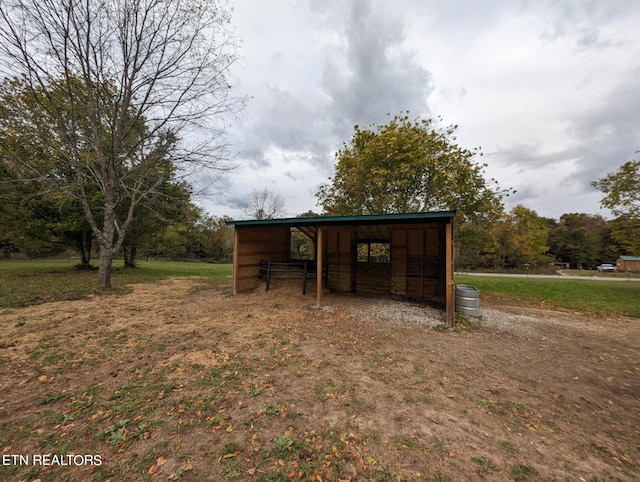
25, 283
588, 296
31, 282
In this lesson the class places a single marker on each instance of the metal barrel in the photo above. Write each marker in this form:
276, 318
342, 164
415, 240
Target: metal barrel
467, 300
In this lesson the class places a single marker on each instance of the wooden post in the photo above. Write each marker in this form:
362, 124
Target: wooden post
304, 278
450, 288
319, 256
268, 275
236, 244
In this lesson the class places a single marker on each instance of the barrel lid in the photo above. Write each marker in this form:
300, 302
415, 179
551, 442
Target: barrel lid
466, 288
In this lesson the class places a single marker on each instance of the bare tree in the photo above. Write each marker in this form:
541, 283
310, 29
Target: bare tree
264, 204
130, 88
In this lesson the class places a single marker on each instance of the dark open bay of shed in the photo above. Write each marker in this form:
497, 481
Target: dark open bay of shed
402, 255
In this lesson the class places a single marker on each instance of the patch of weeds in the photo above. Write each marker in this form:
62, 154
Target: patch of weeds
404, 443
283, 447
354, 406
521, 472
321, 394
213, 421
161, 347
466, 324
382, 474
84, 402
231, 469
115, 433
33, 473
422, 399
254, 390
272, 409
509, 447
211, 377
51, 397
486, 464
501, 407
230, 448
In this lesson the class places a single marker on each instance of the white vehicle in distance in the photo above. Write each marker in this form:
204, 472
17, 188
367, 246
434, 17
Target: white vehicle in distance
606, 267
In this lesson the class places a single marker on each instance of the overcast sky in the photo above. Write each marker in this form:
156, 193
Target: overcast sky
549, 89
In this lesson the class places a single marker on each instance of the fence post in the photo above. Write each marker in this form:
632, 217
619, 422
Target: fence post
268, 275
304, 279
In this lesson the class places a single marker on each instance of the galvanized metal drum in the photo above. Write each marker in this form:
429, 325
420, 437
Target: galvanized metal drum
467, 300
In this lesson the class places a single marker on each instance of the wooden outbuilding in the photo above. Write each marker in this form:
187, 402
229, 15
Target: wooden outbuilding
628, 264
403, 255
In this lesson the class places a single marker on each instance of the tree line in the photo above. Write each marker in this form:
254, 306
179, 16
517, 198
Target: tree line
107, 108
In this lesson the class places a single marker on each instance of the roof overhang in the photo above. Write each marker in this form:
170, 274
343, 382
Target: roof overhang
371, 219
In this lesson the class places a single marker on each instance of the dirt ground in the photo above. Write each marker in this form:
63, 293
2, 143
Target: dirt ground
182, 381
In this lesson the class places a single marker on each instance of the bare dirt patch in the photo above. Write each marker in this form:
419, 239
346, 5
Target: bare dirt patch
174, 381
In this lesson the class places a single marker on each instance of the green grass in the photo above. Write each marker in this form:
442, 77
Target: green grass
31, 282
587, 296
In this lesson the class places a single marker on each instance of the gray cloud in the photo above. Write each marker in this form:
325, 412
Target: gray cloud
287, 120
374, 74
608, 134
368, 74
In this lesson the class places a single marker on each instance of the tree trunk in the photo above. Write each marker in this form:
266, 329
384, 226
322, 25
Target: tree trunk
83, 243
129, 256
106, 246
132, 257
104, 267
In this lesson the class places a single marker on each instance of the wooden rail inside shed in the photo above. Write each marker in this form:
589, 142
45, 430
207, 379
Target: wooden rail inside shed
401, 255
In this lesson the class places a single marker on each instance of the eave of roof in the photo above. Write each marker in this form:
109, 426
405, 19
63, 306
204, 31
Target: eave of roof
630, 258
408, 218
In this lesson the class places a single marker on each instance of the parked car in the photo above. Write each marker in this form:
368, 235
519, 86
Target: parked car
606, 267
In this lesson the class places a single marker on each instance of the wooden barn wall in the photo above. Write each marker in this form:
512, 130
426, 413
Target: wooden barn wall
631, 266
339, 255
417, 268
373, 279
418, 257
253, 245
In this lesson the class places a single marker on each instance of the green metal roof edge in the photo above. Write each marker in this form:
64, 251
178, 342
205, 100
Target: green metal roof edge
630, 258
359, 219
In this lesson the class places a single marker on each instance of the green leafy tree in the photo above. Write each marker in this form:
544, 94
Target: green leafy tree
57, 199
580, 239
521, 237
625, 230
120, 84
475, 245
35, 211
409, 166
173, 199
219, 239
621, 191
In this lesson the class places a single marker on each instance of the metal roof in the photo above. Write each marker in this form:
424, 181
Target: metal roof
630, 258
404, 218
